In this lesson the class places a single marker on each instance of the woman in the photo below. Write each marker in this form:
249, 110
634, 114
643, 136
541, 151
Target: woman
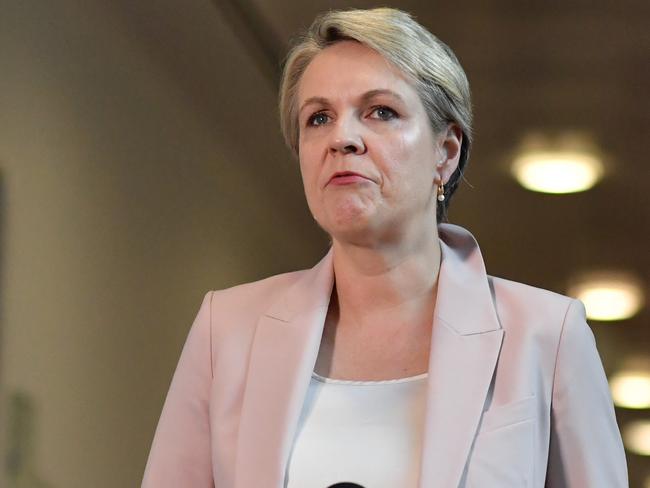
396, 361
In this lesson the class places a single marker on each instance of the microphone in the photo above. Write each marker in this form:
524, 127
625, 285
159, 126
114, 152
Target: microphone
345, 484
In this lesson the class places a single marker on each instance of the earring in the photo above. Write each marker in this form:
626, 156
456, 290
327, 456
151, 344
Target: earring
441, 187
441, 192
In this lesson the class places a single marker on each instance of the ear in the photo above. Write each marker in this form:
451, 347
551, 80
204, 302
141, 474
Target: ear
450, 141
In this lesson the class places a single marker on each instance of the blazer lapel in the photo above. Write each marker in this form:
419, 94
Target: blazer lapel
465, 346
283, 355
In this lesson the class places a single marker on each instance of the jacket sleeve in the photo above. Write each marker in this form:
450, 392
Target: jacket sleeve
585, 447
180, 452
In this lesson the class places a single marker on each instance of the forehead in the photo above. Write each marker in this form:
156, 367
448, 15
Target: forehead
349, 68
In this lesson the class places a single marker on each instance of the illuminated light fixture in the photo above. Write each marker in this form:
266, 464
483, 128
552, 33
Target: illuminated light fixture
568, 164
631, 389
557, 172
636, 437
608, 296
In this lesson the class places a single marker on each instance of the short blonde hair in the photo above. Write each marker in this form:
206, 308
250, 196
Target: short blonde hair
430, 64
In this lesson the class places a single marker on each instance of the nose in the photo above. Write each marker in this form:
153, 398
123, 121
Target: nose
346, 139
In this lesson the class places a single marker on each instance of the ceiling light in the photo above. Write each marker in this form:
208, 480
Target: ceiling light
631, 389
636, 437
608, 295
557, 172
568, 163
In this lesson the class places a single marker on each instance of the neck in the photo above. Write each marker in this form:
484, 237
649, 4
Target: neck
380, 283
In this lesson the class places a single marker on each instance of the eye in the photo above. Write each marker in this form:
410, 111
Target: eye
319, 118
384, 113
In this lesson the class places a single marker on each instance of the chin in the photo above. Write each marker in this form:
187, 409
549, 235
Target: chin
349, 220
352, 229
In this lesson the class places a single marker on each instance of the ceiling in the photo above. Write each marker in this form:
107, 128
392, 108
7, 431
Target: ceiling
551, 66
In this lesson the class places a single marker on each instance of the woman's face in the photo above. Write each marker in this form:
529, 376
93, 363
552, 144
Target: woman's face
359, 114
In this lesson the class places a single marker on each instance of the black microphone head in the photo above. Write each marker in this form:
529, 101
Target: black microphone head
345, 484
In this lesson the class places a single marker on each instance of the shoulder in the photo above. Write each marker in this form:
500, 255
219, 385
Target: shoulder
546, 324
516, 293
541, 311
252, 297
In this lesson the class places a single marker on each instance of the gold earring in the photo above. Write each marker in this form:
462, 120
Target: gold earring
441, 192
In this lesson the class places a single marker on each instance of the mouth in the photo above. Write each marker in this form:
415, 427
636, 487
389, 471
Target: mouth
346, 178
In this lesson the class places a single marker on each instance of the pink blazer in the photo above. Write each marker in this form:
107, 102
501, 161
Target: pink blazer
517, 395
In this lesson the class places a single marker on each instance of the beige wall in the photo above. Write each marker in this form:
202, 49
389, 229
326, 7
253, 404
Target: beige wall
126, 194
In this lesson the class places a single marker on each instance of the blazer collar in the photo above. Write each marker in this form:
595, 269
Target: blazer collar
465, 345
310, 292
465, 300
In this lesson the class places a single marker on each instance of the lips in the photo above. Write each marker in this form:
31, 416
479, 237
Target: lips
344, 174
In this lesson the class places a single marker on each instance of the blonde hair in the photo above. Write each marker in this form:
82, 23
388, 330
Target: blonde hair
430, 64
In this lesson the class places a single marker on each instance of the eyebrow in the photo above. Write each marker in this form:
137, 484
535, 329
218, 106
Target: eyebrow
363, 98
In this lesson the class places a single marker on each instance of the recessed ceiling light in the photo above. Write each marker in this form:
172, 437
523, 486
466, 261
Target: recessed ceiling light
557, 172
631, 389
636, 437
608, 295
568, 163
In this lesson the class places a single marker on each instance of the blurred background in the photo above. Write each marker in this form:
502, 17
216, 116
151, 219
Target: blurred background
141, 164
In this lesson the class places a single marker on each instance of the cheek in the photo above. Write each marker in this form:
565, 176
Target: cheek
418, 144
308, 173
410, 161
409, 171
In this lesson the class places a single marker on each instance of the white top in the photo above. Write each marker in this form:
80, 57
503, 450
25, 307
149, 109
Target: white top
366, 432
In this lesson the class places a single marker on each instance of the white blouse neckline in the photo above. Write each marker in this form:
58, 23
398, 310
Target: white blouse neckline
335, 381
